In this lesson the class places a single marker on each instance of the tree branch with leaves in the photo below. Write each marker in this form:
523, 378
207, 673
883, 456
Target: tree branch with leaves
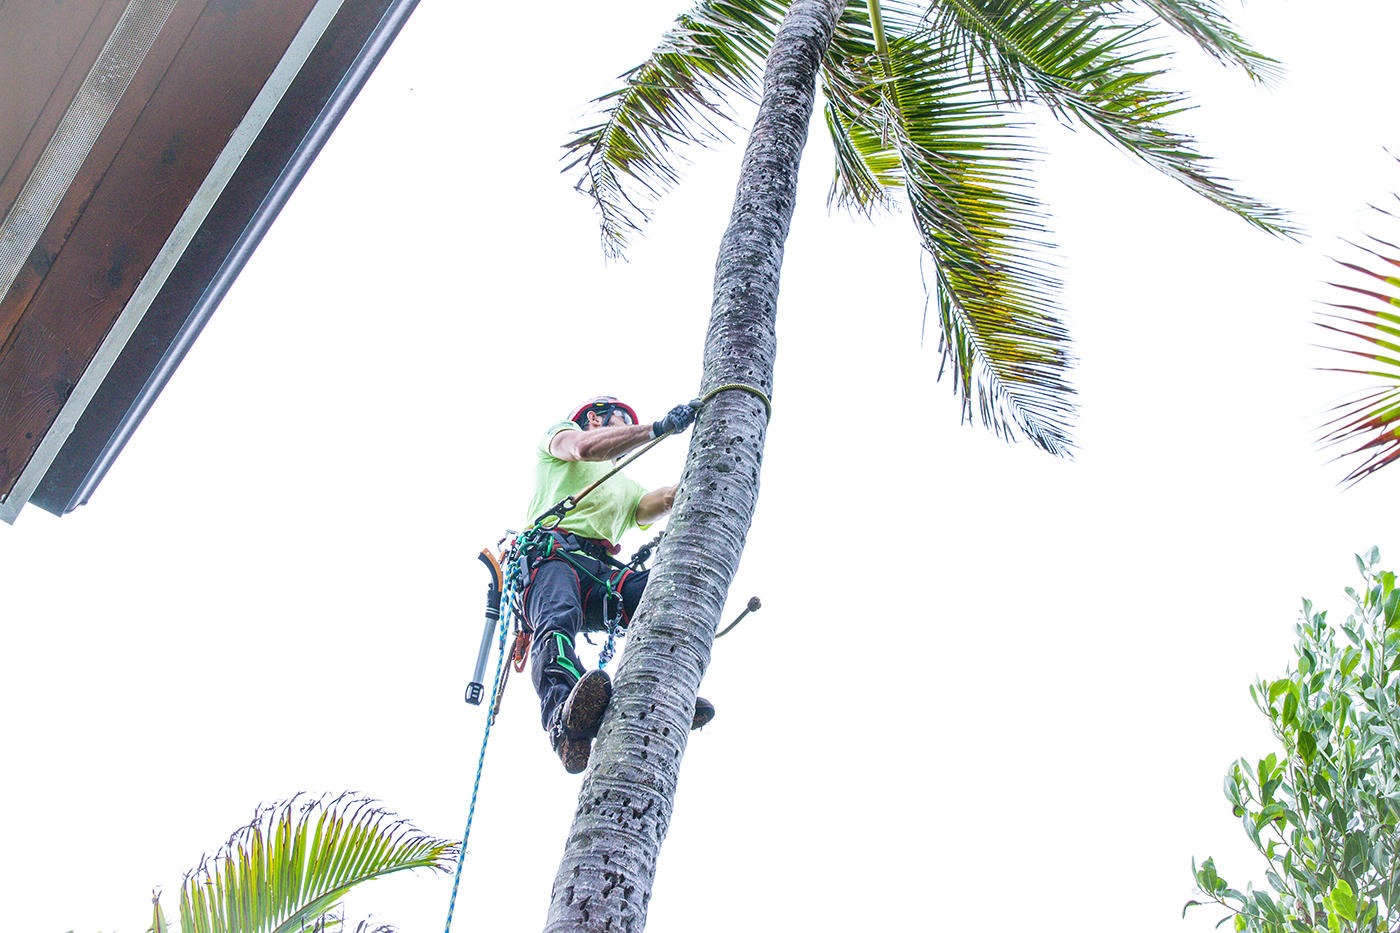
1324, 810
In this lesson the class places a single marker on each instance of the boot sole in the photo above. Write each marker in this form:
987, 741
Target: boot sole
574, 753
704, 712
583, 710
583, 713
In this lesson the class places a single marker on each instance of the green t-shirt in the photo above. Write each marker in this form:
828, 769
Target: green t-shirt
608, 511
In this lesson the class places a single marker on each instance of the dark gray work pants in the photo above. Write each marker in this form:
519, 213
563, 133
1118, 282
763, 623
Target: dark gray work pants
561, 601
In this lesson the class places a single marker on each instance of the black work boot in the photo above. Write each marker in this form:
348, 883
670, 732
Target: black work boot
573, 723
704, 712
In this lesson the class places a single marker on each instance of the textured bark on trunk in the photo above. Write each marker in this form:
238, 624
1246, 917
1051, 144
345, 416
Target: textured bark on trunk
624, 809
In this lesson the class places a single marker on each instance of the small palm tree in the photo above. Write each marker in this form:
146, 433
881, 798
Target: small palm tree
923, 104
1367, 424
287, 870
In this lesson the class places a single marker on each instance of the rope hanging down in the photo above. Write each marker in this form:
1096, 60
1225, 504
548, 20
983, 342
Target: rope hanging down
481, 758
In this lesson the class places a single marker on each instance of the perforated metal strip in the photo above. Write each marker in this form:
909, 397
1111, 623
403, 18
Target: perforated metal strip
77, 132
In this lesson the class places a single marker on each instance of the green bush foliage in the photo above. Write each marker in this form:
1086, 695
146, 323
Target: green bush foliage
1324, 812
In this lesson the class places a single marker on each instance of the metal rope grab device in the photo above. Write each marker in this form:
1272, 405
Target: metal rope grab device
509, 569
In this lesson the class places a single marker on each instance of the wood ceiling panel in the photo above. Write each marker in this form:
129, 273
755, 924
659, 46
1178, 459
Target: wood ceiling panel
202, 97
70, 210
46, 47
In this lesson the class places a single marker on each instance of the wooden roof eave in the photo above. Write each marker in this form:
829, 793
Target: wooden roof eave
322, 69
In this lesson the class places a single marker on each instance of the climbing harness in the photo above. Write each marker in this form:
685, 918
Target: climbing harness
510, 574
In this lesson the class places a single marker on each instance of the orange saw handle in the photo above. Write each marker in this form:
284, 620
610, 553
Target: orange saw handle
476, 690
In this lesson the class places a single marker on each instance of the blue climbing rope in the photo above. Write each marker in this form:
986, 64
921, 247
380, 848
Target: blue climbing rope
513, 561
485, 737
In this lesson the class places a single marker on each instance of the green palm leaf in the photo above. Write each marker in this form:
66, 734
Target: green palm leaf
934, 130
283, 872
1202, 21
1367, 424
158, 921
1095, 70
673, 99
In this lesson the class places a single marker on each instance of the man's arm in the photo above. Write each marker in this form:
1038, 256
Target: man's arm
599, 443
655, 504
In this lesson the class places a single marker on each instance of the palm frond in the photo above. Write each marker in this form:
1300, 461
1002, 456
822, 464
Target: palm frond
283, 871
936, 131
1205, 24
1367, 425
677, 97
867, 166
1092, 69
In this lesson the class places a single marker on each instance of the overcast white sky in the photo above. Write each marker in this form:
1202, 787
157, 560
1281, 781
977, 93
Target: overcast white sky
986, 689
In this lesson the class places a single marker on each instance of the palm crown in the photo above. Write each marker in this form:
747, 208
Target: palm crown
922, 104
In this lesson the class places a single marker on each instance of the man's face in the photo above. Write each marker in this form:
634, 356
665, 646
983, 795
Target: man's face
614, 418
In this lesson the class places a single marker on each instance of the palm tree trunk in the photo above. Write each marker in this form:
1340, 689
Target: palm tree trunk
605, 877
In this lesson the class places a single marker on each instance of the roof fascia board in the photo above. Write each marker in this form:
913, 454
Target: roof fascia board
190, 221
353, 45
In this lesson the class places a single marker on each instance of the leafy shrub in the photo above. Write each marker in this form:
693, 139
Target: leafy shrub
1324, 812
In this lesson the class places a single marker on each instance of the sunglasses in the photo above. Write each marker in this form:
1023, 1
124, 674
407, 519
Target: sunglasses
604, 411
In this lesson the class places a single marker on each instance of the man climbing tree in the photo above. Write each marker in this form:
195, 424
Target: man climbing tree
577, 584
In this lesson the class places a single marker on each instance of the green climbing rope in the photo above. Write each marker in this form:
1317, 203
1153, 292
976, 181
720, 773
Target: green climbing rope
762, 396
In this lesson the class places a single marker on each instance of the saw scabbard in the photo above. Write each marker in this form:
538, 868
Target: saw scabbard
476, 690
